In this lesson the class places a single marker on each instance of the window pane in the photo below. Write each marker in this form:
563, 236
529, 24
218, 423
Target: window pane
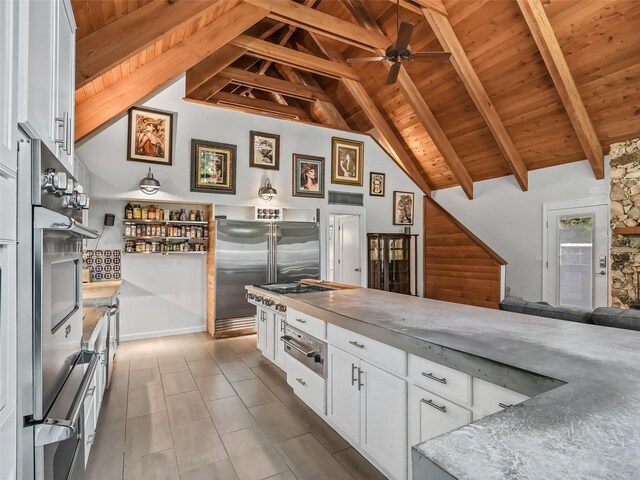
575, 239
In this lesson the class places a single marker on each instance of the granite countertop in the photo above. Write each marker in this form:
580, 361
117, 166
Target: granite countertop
100, 290
584, 420
90, 320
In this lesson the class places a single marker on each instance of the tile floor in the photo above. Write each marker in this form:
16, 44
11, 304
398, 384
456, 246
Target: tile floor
193, 408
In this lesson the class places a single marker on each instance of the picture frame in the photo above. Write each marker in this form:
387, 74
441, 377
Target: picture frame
376, 184
213, 167
347, 161
305, 167
264, 150
150, 136
403, 208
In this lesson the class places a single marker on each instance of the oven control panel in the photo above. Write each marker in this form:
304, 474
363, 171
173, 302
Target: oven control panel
261, 300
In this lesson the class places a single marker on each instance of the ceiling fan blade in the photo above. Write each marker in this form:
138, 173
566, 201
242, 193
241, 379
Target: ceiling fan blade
440, 57
404, 35
364, 59
393, 73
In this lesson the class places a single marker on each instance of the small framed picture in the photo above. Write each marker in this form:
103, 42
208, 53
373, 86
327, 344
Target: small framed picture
347, 161
308, 176
150, 138
376, 184
265, 150
213, 167
403, 208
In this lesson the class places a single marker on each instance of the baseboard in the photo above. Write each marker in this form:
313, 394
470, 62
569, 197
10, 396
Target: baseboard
162, 333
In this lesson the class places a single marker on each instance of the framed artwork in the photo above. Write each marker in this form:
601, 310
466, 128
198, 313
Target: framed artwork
403, 208
265, 150
376, 184
150, 138
213, 167
308, 176
347, 161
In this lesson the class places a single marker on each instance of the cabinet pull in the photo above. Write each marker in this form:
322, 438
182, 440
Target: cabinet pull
300, 320
360, 384
433, 377
301, 382
91, 438
282, 323
443, 409
90, 392
69, 132
356, 344
504, 405
353, 374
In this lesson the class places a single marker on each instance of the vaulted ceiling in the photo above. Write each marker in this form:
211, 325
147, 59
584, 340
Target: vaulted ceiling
529, 84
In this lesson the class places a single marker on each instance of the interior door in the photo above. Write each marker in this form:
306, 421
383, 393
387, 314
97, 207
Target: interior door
577, 257
344, 392
349, 251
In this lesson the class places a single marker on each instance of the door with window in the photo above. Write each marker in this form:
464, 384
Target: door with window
578, 256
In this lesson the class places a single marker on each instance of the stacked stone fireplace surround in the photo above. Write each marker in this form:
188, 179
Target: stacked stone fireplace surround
625, 212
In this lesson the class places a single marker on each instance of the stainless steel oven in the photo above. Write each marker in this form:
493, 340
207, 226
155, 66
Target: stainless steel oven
60, 370
305, 348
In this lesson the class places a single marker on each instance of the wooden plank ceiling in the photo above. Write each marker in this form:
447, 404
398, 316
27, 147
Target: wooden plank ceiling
530, 83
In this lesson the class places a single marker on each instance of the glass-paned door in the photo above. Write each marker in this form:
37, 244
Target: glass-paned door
577, 257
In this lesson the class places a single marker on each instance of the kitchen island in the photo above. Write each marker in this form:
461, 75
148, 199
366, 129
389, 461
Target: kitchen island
582, 421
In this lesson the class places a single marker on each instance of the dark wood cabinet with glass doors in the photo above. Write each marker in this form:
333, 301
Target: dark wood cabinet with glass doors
392, 262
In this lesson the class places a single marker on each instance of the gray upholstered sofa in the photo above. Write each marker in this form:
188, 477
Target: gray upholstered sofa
605, 316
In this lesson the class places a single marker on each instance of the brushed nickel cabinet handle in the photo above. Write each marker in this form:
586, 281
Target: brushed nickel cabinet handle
433, 377
504, 405
360, 384
353, 374
443, 409
300, 320
356, 344
301, 382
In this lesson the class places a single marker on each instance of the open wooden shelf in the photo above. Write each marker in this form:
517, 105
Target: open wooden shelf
626, 231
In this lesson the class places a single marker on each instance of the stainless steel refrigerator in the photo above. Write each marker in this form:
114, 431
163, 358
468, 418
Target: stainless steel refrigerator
253, 252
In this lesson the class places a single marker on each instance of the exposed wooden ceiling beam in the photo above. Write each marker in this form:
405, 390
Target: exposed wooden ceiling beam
111, 45
410, 5
271, 84
450, 42
211, 66
322, 111
116, 99
413, 96
258, 105
293, 58
542, 32
324, 24
397, 150
433, 5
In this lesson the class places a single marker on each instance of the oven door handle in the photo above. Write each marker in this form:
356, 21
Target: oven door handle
53, 430
46, 219
287, 341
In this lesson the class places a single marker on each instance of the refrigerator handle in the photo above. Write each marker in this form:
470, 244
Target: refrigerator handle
273, 251
269, 265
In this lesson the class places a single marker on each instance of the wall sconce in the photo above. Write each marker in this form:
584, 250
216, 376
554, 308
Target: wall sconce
149, 185
267, 192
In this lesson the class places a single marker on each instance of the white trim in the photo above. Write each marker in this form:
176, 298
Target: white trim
561, 205
162, 333
348, 210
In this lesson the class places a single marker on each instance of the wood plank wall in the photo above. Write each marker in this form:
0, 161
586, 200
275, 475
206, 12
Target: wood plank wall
458, 266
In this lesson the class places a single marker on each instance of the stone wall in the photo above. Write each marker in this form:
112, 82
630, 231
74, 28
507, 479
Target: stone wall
625, 212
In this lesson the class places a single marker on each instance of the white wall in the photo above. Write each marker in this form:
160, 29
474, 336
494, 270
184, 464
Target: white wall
114, 178
510, 221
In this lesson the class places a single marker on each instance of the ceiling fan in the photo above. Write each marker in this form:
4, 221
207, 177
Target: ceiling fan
398, 53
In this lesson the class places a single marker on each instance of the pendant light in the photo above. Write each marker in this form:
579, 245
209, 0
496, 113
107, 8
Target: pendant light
149, 185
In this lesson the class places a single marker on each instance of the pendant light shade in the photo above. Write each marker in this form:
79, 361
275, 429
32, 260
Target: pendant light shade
267, 192
149, 185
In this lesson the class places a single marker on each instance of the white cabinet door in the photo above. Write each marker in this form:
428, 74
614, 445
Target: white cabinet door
261, 329
430, 415
65, 82
280, 355
8, 85
42, 71
270, 331
384, 418
344, 392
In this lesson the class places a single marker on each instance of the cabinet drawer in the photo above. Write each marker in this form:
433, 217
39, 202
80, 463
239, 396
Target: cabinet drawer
489, 398
439, 379
307, 385
389, 358
307, 323
431, 415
